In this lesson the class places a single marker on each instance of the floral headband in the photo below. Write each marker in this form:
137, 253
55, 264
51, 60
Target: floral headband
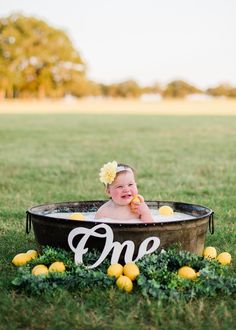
109, 170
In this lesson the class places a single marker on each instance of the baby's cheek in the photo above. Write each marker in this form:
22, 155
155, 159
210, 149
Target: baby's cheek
116, 194
135, 190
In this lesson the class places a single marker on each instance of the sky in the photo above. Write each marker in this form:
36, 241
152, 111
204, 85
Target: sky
150, 41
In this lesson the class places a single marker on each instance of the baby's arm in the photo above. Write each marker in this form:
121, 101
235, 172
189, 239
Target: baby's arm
142, 210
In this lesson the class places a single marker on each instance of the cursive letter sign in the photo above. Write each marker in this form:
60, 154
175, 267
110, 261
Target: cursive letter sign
117, 247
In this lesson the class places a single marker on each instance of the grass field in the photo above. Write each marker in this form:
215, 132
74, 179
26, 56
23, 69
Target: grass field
46, 158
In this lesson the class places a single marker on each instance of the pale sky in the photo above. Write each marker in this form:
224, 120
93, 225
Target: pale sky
145, 40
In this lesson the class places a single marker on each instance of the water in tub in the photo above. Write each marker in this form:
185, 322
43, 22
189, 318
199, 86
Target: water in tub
90, 216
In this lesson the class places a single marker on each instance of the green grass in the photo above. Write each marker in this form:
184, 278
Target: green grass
54, 158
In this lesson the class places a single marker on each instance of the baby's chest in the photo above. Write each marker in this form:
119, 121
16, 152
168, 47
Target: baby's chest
123, 214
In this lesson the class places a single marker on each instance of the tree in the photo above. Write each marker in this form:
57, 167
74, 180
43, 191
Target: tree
180, 89
153, 89
128, 88
36, 59
222, 90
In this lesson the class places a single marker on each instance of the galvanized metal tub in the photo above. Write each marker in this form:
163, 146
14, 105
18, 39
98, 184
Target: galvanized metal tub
188, 234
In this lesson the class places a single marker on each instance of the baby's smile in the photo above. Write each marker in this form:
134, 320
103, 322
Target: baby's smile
126, 196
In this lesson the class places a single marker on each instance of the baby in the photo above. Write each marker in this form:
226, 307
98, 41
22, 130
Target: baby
121, 187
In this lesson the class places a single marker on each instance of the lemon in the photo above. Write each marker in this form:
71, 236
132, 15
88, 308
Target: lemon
77, 216
187, 272
131, 270
133, 202
210, 252
124, 283
224, 258
33, 253
57, 266
40, 270
115, 270
21, 259
165, 210
135, 199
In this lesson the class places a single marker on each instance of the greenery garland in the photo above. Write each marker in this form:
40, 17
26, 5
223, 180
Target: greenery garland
158, 275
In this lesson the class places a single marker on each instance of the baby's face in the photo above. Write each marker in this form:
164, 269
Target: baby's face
123, 188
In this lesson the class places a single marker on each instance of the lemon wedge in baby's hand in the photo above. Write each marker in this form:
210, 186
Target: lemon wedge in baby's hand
77, 216
135, 199
165, 210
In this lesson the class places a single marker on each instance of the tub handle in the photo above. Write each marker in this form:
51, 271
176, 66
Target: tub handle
211, 223
28, 222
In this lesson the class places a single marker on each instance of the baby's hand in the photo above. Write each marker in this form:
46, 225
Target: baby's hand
140, 208
135, 203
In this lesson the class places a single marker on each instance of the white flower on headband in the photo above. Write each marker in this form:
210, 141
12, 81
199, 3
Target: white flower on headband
108, 172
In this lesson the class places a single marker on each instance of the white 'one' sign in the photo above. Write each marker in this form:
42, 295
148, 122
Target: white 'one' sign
117, 247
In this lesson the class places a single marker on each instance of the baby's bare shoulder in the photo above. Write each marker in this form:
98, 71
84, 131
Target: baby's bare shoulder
102, 211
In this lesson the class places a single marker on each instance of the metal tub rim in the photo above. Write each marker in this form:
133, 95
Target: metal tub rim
174, 204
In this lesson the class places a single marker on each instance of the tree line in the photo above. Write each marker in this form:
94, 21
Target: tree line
38, 61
